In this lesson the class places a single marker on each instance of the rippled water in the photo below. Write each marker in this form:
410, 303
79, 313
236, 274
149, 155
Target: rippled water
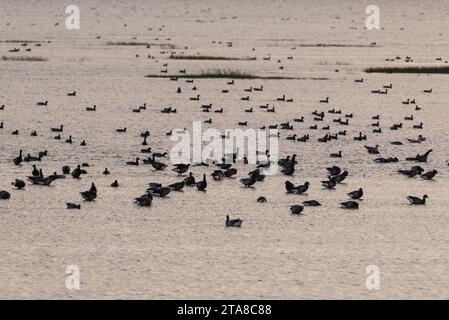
179, 248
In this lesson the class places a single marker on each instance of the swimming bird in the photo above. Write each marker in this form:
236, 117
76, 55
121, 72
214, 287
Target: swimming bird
160, 155
357, 194
412, 172
350, 205
18, 160
115, 184
296, 209
94, 108
340, 177
90, 194
4, 195
360, 137
248, 182
386, 160
181, 168
257, 175
290, 187
157, 165
177, 186
417, 201
302, 188
69, 140
60, 129
76, 173
42, 103
329, 184
190, 180
133, 163
35, 172
420, 158
336, 155
30, 158
73, 206
217, 175
373, 150
261, 199
144, 200
202, 185
429, 175
311, 203
106, 171
418, 140
333, 171
233, 222
40, 180
159, 191
19, 184
230, 172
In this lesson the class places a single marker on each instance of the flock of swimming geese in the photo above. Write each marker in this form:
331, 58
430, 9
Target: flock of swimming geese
224, 169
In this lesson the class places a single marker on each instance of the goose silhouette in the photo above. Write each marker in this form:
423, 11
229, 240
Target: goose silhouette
18, 160
233, 222
202, 185
76, 173
190, 180
91, 194
420, 158
429, 175
156, 164
336, 155
357, 194
35, 172
60, 129
417, 201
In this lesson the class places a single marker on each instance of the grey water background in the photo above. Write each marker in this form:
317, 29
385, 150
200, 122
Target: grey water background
179, 248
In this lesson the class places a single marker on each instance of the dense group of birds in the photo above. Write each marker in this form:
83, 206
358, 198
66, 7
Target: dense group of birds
334, 129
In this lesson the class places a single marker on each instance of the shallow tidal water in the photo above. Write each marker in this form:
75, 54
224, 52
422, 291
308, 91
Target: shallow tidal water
179, 248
